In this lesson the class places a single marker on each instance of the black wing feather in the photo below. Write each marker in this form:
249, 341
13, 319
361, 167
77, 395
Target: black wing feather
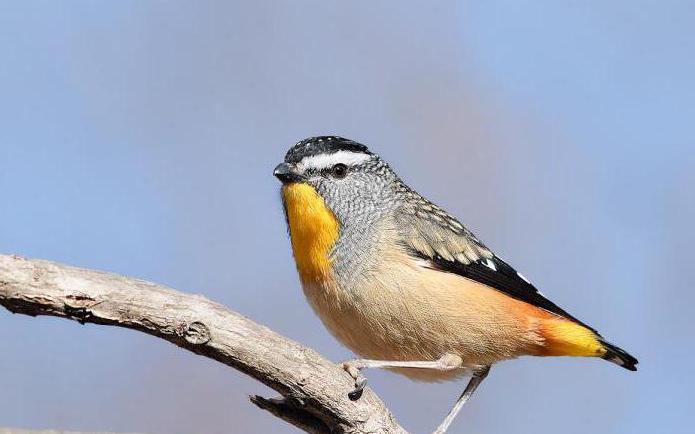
503, 278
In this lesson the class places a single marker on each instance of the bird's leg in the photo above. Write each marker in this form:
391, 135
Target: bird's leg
353, 367
478, 377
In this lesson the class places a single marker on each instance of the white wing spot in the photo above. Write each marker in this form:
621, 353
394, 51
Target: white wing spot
489, 264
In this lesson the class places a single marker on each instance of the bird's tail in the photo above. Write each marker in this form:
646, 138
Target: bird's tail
619, 356
564, 337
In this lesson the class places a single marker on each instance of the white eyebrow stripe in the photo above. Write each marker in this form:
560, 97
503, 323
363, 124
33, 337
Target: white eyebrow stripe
324, 161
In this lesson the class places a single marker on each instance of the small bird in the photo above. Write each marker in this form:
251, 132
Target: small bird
405, 285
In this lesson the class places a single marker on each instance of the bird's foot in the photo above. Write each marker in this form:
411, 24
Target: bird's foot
354, 367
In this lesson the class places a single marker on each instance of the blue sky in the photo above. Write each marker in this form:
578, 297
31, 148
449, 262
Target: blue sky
140, 137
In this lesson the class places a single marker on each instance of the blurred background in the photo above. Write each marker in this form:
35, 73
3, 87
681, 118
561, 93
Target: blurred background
139, 137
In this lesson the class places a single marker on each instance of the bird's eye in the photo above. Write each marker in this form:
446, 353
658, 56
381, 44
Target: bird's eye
339, 171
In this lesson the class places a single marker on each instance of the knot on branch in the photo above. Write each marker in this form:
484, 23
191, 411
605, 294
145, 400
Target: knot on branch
197, 333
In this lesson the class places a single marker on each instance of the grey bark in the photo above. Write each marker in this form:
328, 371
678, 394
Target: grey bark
26, 431
314, 390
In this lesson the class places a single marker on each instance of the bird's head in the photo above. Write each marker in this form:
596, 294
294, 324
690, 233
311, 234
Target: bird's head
351, 181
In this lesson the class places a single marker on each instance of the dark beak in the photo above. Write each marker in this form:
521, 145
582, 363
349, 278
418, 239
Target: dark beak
287, 173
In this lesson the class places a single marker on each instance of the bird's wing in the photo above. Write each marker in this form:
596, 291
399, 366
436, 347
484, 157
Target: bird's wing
434, 233
430, 233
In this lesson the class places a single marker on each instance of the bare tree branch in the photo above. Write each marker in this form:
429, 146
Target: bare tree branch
314, 390
26, 431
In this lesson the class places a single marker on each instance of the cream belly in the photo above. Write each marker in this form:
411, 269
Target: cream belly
404, 311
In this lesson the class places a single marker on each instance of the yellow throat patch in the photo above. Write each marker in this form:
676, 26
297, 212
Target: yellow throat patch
314, 229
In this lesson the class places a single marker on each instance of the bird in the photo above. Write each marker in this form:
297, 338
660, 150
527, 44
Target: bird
405, 285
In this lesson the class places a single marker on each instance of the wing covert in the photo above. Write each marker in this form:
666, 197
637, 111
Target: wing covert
432, 232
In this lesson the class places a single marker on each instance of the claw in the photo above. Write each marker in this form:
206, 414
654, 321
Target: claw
360, 384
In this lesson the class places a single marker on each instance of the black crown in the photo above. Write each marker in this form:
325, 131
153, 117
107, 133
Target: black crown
323, 145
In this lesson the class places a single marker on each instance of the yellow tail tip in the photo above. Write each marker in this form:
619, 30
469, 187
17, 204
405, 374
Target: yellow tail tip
567, 338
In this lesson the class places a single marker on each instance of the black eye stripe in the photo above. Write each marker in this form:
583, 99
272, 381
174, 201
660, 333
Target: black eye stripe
328, 172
